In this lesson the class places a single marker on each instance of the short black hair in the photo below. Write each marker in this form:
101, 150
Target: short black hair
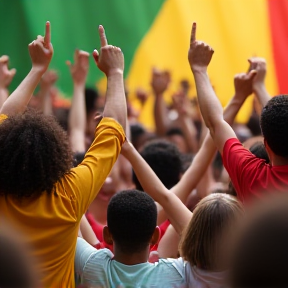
259, 150
165, 160
34, 153
131, 219
274, 119
91, 95
174, 131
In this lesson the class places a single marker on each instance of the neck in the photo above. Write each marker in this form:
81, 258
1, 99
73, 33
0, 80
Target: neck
131, 259
99, 212
278, 161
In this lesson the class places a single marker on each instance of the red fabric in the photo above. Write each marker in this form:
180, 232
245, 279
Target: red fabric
98, 230
250, 175
278, 14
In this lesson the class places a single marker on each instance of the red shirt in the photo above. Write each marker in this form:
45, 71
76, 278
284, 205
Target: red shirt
98, 230
250, 175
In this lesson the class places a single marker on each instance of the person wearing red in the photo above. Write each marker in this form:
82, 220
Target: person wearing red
250, 176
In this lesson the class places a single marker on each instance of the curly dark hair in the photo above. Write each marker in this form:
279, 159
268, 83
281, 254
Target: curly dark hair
34, 153
274, 120
132, 219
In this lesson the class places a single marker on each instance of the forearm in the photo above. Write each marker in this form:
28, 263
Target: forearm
160, 115
176, 211
19, 99
168, 245
87, 232
261, 94
45, 99
3, 95
190, 133
210, 106
77, 119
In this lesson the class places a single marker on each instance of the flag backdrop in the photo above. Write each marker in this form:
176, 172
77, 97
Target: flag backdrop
153, 33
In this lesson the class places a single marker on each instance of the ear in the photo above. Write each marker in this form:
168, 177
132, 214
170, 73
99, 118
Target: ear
107, 236
156, 236
269, 151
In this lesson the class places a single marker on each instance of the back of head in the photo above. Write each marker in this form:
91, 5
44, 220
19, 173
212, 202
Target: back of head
91, 96
261, 251
207, 234
274, 119
34, 153
164, 159
131, 219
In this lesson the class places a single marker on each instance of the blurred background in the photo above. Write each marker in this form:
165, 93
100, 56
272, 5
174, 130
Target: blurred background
153, 33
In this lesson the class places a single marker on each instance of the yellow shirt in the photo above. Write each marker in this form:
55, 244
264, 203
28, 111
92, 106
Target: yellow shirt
50, 223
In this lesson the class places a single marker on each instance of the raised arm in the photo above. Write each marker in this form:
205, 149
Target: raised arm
111, 62
199, 57
41, 52
159, 83
77, 116
6, 77
259, 64
176, 211
47, 82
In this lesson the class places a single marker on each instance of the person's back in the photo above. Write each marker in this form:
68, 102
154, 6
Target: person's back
132, 229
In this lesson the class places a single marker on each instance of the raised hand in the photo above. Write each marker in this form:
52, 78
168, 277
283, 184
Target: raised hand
48, 79
243, 84
142, 95
259, 65
160, 81
199, 54
6, 75
79, 69
41, 51
111, 59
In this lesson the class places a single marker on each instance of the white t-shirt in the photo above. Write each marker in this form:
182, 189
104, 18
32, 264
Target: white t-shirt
197, 278
97, 268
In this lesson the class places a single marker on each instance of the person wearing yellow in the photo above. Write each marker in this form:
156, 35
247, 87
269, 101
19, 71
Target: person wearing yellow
41, 195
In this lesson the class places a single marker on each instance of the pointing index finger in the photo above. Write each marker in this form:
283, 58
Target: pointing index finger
47, 38
102, 35
193, 33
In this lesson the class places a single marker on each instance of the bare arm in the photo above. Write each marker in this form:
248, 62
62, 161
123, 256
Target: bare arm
77, 115
46, 83
6, 77
202, 160
111, 62
168, 245
199, 56
159, 83
176, 211
87, 232
41, 52
259, 64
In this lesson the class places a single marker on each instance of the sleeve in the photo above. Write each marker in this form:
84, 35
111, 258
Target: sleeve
241, 165
84, 182
83, 253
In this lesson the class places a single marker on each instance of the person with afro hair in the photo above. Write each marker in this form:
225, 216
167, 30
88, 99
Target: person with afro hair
250, 176
40, 193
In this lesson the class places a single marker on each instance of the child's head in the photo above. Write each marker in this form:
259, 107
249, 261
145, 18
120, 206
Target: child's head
35, 154
131, 221
203, 240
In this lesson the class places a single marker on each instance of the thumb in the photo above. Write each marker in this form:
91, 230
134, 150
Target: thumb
12, 72
252, 74
68, 63
96, 56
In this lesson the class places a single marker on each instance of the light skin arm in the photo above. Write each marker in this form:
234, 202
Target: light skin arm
159, 83
259, 65
87, 232
46, 83
168, 245
77, 116
199, 57
41, 52
154, 187
111, 62
6, 76
202, 160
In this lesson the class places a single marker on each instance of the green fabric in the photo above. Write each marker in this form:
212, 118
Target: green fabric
74, 25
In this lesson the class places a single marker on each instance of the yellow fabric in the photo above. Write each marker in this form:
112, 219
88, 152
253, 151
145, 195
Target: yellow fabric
3, 117
235, 29
50, 223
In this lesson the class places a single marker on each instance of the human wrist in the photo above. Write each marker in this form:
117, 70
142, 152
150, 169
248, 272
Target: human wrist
259, 86
199, 69
114, 72
37, 71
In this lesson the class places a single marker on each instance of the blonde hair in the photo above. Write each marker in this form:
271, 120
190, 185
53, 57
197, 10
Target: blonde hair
203, 239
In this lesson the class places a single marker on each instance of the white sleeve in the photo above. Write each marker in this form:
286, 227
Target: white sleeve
83, 253
179, 264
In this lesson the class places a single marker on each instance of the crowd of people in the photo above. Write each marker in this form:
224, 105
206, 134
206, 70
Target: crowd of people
89, 197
